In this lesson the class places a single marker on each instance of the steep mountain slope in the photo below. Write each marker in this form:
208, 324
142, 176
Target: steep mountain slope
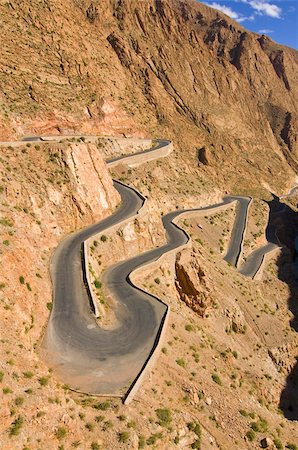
228, 100
164, 67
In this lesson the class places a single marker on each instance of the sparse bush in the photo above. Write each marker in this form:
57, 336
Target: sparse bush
43, 381
181, 362
216, 379
102, 406
7, 390
95, 446
16, 426
28, 374
103, 238
19, 401
251, 435
157, 280
164, 415
97, 284
123, 437
291, 446
60, 433
278, 444
142, 442
89, 426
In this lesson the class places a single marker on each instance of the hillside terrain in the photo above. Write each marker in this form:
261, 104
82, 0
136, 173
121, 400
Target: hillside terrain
228, 99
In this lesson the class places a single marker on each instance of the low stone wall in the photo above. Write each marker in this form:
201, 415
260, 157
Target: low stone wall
243, 233
138, 159
265, 260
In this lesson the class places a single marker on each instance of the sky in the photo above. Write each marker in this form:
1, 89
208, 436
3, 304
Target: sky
278, 19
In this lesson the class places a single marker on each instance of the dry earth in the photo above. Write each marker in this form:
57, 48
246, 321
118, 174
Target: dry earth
114, 67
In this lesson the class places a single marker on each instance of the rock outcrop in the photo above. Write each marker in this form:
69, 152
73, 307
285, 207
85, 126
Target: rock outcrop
192, 283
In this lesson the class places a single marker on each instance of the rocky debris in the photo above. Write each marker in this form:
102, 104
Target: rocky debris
204, 156
237, 320
284, 357
92, 13
267, 442
191, 282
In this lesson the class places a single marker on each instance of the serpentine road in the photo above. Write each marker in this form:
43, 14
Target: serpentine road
94, 360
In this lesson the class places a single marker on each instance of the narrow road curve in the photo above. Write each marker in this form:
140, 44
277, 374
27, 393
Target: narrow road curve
100, 361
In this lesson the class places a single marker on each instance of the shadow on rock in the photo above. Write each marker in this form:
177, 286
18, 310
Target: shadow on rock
283, 227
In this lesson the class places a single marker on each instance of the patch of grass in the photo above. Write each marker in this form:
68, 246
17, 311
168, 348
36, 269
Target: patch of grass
1, 376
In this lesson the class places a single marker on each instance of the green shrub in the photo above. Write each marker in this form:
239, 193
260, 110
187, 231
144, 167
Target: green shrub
181, 362
188, 327
22, 279
278, 444
216, 379
251, 435
164, 415
142, 442
28, 374
60, 433
260, 426
97, 284
123, 437
50, 306
103, 238
102, 406
43, 381
19, 401
95, 446
1, 376
157, 280
16, 426
291, 446
6, 390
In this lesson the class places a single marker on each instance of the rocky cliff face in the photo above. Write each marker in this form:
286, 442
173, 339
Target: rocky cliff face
46, 191
116, 66
191, 282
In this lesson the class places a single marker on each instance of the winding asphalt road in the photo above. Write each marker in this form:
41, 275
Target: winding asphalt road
99, 361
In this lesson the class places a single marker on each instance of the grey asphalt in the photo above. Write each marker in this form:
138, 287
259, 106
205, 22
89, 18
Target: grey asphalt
95, 360
235, 247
